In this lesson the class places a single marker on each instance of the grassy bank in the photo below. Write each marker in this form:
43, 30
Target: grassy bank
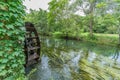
105, 39
99, 38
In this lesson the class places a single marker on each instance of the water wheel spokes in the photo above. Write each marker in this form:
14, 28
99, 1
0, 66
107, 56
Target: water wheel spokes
32, 44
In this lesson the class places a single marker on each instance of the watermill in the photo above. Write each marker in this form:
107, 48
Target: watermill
32, 44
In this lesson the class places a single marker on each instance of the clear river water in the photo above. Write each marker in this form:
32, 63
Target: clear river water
75, 60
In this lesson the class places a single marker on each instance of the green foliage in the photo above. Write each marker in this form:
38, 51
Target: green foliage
100, 16
101, 5
11, 39
99, 38
39, 18
58, 15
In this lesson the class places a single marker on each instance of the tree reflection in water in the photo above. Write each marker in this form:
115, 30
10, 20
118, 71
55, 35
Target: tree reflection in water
77, 61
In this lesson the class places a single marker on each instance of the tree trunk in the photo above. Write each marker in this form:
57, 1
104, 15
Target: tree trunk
92, 6
91, 27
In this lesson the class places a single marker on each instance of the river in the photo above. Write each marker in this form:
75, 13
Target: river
75, 60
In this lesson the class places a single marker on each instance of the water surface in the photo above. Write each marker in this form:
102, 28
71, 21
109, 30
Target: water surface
75, 60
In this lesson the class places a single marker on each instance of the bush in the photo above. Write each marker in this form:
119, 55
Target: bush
11, 39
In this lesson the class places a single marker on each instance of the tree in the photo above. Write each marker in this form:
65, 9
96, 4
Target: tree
117, 13
39, 18
58, 13
88, 8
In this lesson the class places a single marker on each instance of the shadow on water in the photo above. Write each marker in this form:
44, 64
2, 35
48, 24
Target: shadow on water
75, 60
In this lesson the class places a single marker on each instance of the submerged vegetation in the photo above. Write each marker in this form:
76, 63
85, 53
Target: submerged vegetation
76, 60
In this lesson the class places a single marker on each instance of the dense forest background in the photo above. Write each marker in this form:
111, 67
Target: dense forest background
79, 19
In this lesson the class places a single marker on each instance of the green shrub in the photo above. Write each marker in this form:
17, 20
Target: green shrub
11, 39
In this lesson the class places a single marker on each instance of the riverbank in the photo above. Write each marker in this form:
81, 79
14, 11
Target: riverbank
98, 38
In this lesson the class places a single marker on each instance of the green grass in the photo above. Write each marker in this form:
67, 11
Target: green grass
101, 34
57, 34
99, 38
108, 35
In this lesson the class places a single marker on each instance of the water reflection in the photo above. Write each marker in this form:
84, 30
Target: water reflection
76, 60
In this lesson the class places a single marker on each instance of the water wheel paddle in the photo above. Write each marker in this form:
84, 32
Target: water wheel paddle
32, 44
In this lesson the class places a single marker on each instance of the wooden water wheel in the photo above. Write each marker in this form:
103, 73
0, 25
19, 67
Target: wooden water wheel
32, 44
